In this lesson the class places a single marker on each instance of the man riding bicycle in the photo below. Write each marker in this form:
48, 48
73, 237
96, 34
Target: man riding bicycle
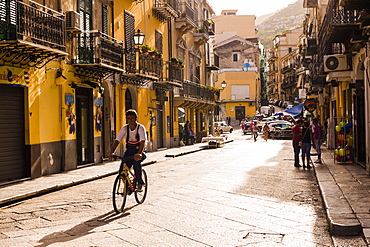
135, 138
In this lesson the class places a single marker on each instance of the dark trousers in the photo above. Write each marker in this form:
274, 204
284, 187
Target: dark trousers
297, 150
130, 151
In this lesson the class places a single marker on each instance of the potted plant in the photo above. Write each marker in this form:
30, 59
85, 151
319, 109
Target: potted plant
153, 52
181, 64
145, 49
173, 61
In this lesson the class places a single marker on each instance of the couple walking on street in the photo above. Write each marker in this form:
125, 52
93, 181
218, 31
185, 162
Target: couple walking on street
302, 139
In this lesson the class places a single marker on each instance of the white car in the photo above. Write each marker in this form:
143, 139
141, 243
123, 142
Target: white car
223, 127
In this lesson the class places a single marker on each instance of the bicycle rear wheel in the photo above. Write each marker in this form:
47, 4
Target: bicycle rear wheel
141, 195
120, 189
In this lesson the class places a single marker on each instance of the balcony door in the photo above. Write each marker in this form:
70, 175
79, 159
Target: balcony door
86, 46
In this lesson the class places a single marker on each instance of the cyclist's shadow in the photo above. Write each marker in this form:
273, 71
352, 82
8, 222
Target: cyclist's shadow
82, 229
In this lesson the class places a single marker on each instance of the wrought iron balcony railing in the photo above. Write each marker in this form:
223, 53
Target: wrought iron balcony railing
195, 91
175, 73
32, 32
33, 23
100, 51
151, 66
164, 9
337, 26
201, 34
186, 20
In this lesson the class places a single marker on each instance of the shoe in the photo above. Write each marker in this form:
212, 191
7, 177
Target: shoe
317, 161
304, 166
297, 165
309, 167
139, 188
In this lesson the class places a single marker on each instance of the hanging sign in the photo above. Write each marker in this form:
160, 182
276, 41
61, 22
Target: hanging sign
14, 76
310, 105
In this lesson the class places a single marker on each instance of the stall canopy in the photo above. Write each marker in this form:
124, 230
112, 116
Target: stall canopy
294, 111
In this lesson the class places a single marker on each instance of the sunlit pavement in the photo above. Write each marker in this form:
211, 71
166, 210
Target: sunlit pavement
246, 193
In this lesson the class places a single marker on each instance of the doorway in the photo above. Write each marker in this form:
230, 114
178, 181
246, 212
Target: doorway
239, 113
84, 130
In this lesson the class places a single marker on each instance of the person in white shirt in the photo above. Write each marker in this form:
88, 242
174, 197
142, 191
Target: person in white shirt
135, 138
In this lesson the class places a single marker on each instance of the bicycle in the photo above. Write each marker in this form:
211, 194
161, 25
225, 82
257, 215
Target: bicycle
126, 184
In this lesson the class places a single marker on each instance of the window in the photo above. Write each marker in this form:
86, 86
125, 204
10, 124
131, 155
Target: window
235, 57
240, 92
86, 13
129, 42
158, 41
104, 19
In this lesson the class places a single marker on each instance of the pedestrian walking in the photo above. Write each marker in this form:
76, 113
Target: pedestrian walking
228, 120
317, 137
306, 144
255, 131
266, 129
296, 138
186, 132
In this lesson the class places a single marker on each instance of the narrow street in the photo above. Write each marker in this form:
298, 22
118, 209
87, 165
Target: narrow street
244, 194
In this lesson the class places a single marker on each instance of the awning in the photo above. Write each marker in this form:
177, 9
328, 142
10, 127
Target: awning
294, 111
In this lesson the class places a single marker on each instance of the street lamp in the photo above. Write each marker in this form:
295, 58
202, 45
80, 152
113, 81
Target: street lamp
139, 38
223, 85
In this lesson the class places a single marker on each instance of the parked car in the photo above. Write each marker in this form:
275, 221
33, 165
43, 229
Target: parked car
280, 129
223, 127
247, 128
289, 106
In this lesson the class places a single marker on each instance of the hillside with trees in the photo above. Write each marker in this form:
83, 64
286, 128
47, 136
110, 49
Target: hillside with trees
282, 20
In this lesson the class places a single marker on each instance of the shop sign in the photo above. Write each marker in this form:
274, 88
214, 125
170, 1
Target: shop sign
70, 99
98, 101
14, 76
310, 105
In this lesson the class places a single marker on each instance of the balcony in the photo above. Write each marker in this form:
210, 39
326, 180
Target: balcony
150, 67
286, 69
338, 25
210, 26
201, 35
355, 4
213, 63
186, 21
174, 76
31, 34
166, 9
194, 95
98, 54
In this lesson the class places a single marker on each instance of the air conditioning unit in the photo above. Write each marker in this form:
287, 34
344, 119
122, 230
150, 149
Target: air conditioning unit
73, 21
335, 62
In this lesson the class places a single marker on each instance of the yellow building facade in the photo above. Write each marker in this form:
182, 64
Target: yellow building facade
67, 90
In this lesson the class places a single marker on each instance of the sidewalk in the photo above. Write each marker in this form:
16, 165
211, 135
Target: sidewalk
345, 188
35, 187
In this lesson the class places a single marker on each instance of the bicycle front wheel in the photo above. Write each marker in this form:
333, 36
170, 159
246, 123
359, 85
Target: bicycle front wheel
120, 189
141, 195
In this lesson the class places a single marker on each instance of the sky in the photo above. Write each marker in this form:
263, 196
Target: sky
250, 7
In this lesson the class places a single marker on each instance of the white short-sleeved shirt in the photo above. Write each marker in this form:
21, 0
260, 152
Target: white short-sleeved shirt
123, 133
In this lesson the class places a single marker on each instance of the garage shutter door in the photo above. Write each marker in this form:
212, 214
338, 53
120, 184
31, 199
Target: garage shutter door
12, 131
